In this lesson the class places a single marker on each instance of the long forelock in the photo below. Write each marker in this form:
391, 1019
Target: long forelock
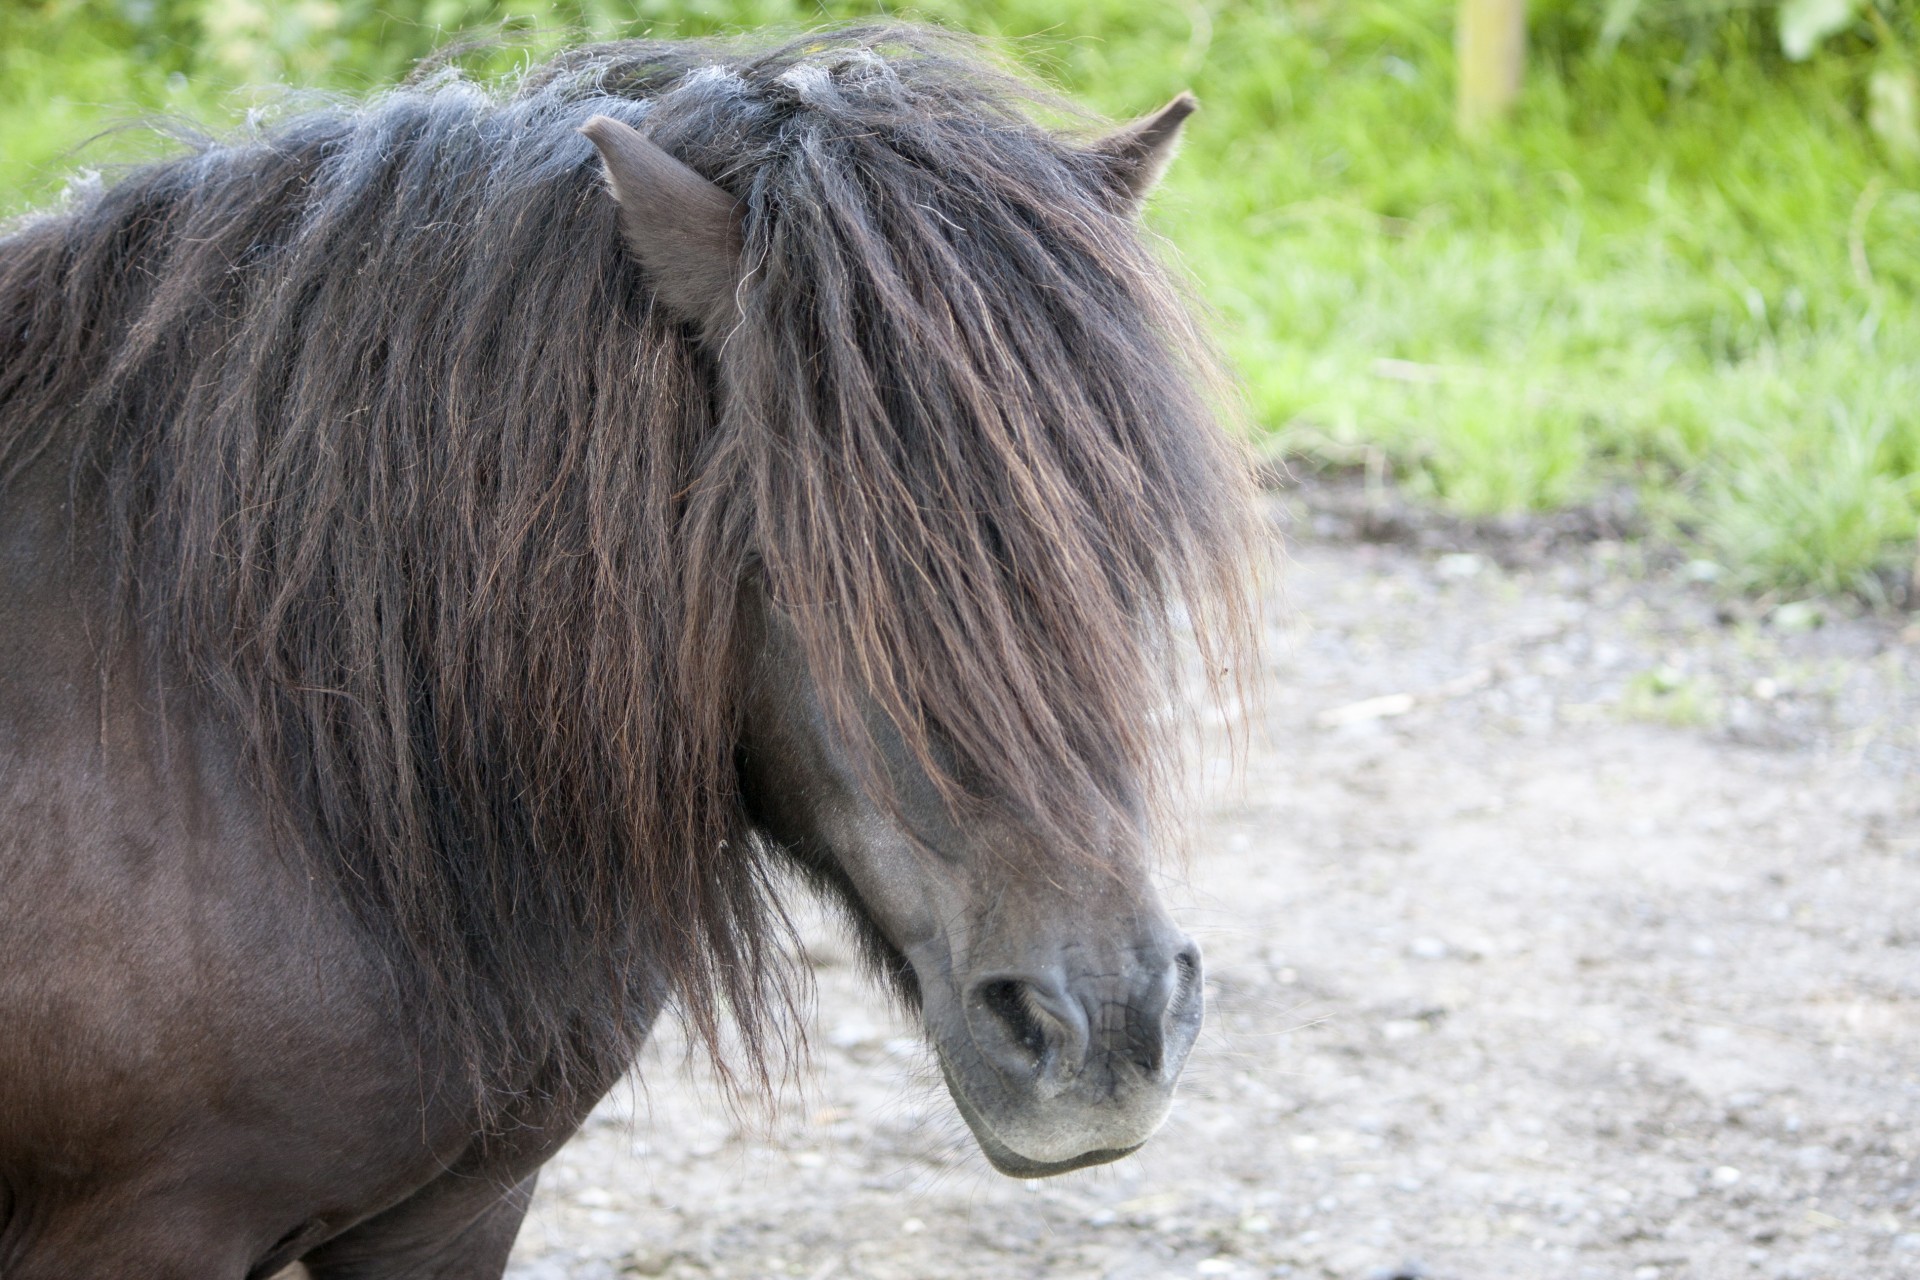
974, 429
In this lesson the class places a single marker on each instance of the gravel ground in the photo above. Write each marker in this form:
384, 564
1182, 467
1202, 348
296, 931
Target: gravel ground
1563, 919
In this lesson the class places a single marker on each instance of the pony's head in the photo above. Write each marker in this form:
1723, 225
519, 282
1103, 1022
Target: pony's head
960, 484
821, 471
1060, 998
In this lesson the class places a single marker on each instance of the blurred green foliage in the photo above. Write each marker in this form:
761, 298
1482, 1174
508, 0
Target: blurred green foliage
1689, 264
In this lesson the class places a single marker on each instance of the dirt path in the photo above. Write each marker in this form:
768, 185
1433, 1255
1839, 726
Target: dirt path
1556, 927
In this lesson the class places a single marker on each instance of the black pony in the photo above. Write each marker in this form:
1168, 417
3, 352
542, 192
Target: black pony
454, 551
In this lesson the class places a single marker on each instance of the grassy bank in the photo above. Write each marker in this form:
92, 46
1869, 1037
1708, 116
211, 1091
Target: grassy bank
1685, 266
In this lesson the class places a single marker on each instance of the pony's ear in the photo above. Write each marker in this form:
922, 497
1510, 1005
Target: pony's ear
684, 230
1135, 155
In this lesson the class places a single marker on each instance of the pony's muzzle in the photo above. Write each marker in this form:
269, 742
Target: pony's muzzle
1046, 1031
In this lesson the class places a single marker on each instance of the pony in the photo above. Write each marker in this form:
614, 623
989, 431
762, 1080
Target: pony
463, 553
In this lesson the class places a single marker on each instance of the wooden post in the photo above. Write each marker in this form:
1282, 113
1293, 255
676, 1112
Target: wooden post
1490, 44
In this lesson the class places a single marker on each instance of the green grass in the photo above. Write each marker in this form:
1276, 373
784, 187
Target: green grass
1684, 266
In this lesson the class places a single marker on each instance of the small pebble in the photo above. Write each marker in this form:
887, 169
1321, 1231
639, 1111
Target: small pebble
1797, 615
853, 1033
1462, 564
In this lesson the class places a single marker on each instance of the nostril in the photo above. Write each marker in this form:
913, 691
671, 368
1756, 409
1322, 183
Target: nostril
1186, 978
1027, 1026
1010, 1003
1168, 1013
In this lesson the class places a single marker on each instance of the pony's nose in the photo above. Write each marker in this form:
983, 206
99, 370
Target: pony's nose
1046, 1028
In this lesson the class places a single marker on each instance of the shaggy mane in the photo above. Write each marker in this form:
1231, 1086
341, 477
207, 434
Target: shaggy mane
401, 459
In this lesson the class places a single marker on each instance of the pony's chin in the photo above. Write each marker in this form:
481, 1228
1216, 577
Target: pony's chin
1013, 1165
1006, 1160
